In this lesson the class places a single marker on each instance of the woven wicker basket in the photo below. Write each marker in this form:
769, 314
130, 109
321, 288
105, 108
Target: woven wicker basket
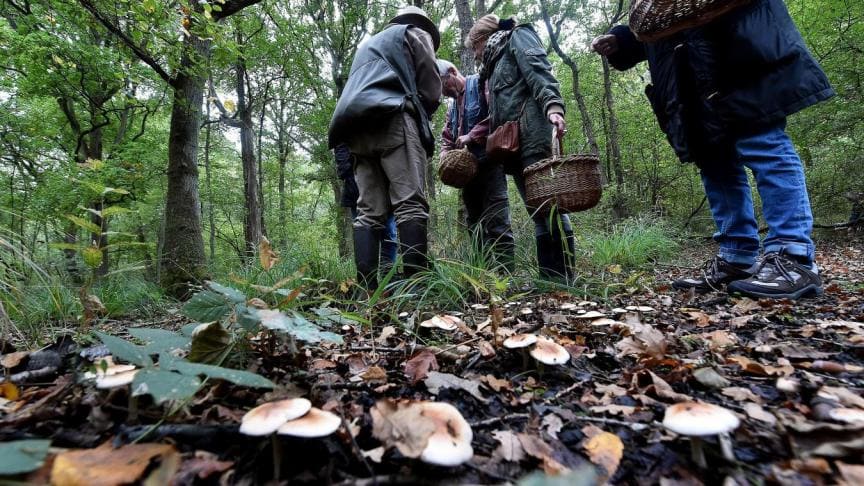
652, 20
458, 168
570, 183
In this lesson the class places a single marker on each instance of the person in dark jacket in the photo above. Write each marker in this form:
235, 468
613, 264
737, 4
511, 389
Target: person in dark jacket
350, 194
517, 77
485, 197
721, 93
383, 116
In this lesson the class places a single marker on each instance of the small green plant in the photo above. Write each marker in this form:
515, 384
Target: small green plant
630, 245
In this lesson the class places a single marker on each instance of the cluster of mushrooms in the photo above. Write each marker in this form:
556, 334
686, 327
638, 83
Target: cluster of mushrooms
543, 349
111, 375
294, 416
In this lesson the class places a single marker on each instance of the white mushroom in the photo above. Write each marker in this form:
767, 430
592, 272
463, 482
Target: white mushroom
590, 315
639, 308
788, 385
847, 415
549, 352
268, 417
316, 423
521, 342
106, 367
696, 420
450, 444
116, 379
447, 323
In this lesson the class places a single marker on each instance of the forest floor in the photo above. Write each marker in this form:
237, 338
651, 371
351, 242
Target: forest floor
793, 372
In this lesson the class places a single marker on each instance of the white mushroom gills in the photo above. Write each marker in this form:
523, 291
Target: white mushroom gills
696, 420
115, 380
316, 423
268, 417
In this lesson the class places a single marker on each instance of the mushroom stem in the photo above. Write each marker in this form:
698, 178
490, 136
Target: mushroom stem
525, 361
540, 368
276, 446
697, 453
726, 447
133, 408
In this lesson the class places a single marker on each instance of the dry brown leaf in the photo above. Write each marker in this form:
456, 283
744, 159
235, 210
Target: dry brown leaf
486, 349
322, 364
257, 303
418, 367
842, 395
386, 334
105, 466
700, 318
624, 410
740, 321
12, 360
202, 466
645, 341
496, 384
510, 448
374, 373
606, 451
756, 368
9, 391
266, 255
401, 423
647, 382
741, 394
720, 339
745, 306
552, 424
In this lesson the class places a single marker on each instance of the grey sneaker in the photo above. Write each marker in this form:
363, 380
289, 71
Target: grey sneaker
780, 277
716, 273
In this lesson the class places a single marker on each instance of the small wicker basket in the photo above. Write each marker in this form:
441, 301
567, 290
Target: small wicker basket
458, 168
652, 20
570, 183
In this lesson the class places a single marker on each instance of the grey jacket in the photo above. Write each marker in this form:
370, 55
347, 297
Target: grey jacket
393, 72
523, 77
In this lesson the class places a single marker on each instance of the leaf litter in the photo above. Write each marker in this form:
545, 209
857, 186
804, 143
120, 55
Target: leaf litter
791, 372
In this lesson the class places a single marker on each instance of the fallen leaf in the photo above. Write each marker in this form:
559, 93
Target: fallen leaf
509, 448
9, 391
266, 255
401, 424
202, 466
649, 383
709, 378
624, 410
700, 318
852, 474
606, 451
756, 412
106, 466
374, 373
842, 395
486, 349
375, 454
435, 381
12, 360
646, 341
720, 339
386, 334
756, 368
741, 394
552, 424
418, 367
496, 384
322, 364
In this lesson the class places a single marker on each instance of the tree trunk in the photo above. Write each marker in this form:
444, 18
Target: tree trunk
614, 146
466, 21
252, 215
183, 261
211, 218
94, 151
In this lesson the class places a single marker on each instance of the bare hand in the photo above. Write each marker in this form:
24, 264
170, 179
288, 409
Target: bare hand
462, 141
605, 45
560, 125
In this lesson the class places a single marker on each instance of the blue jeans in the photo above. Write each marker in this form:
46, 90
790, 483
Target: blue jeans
779, 176
388, 246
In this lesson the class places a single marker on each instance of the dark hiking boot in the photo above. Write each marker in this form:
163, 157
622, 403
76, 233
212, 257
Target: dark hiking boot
716, 273
367, 243
414, 246
554, 256
780, 277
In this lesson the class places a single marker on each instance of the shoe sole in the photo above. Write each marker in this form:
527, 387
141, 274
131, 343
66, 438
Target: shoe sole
811, 290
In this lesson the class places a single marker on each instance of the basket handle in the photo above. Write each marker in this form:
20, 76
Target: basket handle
556, 144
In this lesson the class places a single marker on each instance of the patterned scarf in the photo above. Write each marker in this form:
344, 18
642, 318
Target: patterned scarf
493, 51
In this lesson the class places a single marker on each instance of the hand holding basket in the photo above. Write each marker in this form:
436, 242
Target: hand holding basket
571, 183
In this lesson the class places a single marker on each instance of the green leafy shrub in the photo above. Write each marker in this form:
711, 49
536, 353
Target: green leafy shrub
631, 244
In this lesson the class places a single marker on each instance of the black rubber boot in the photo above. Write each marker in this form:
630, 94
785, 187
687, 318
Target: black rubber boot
414, 245
367, 243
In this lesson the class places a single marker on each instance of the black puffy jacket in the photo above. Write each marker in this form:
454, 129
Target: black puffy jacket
744, 71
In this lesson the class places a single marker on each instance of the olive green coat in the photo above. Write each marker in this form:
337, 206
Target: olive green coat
523, 77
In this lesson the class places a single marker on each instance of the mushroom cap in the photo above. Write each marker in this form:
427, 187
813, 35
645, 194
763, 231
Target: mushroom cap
447, 323
639, 308
549, 352
316, 423
268, 417
604, 321
111, 368
450, 444
592, 314
847, 415
115, 380
699, 419
520, 341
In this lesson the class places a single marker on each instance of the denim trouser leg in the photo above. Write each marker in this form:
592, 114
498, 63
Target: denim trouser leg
780, 182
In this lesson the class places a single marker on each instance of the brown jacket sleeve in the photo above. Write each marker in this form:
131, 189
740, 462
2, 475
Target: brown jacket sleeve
422, 56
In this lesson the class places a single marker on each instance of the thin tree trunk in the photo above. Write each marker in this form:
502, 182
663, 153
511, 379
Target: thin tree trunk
614, 146
211, 218
466, 21
282, 148
252, 216
183, 261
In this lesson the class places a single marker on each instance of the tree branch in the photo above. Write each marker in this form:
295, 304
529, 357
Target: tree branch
231, 7
139, 52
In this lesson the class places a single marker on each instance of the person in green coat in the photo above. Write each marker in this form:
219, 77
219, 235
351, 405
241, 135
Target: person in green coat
519, 84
